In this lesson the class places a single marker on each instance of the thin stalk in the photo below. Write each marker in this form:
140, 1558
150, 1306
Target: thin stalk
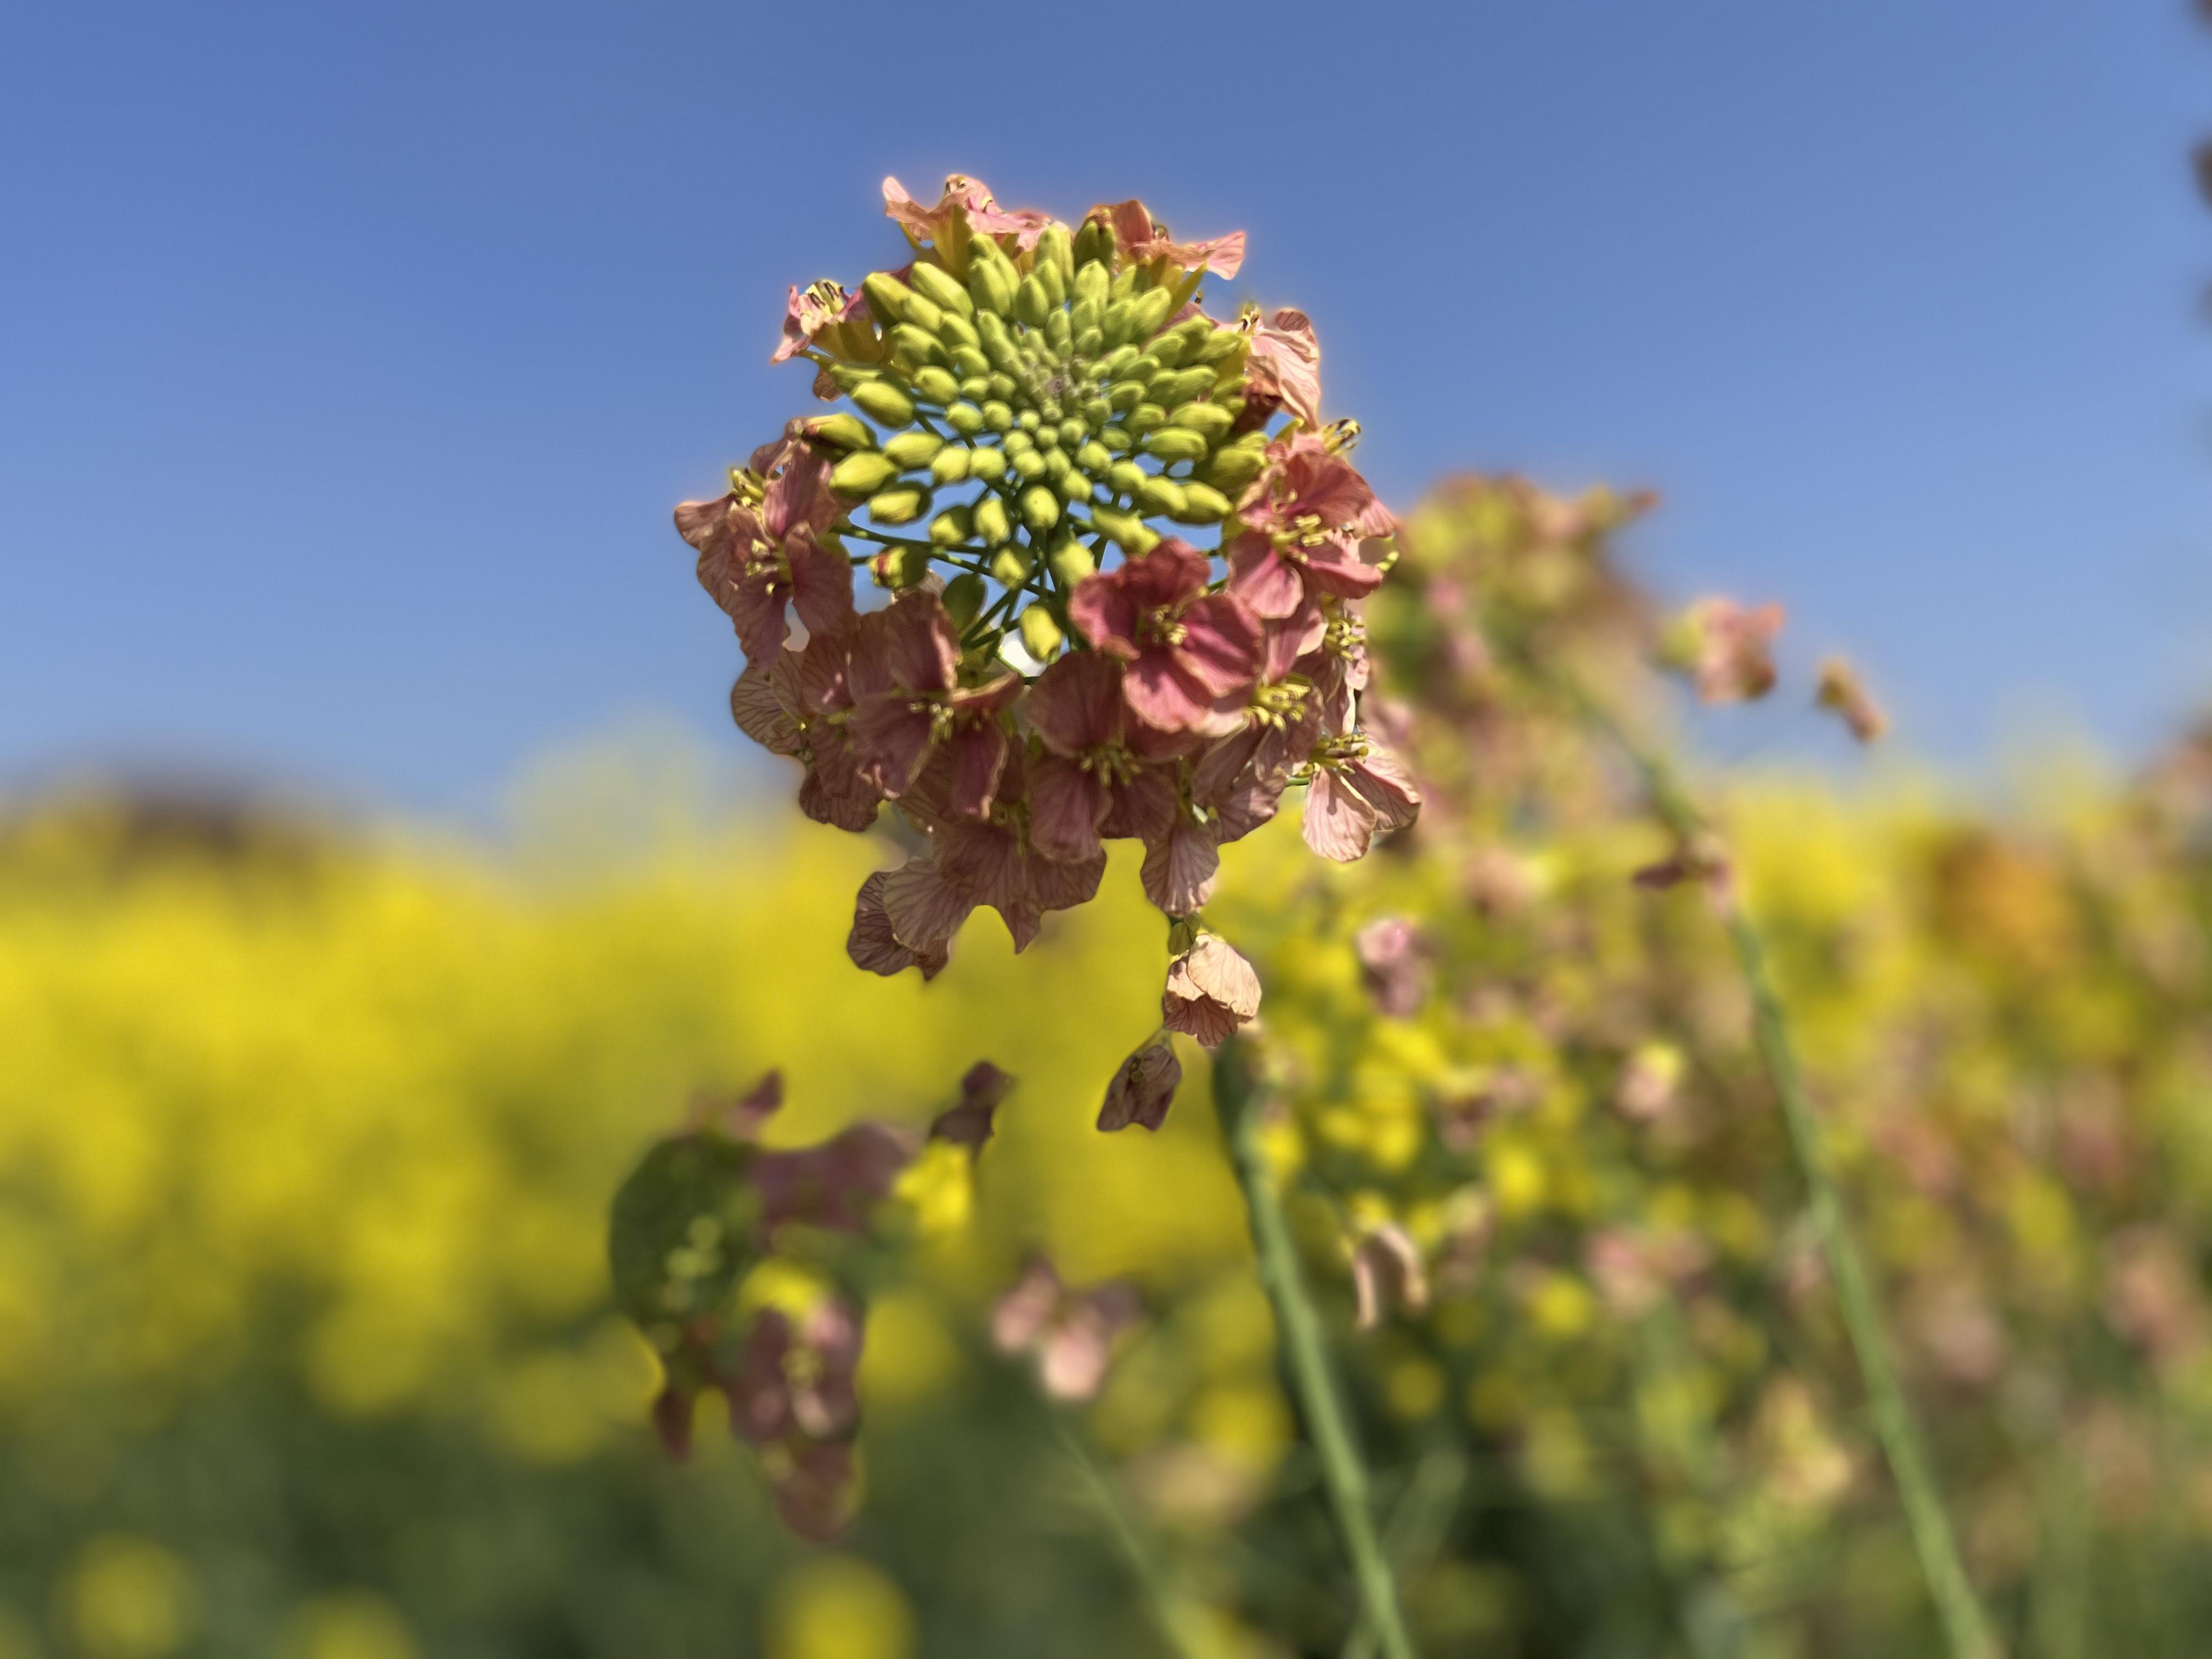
1168, 1613
1966, 1626
1305, 1354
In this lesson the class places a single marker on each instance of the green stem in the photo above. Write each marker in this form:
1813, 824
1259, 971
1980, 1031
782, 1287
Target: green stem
1966, 1626
1174, 1624
1305, 1353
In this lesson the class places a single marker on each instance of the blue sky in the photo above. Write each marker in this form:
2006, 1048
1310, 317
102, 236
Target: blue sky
350, 357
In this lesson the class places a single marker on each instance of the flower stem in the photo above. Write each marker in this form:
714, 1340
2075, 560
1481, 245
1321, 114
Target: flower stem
1966, 1626
1305, 1353
1170, 1615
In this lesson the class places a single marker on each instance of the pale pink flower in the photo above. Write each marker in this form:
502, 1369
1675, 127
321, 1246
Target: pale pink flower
814, 310
1843, 692
1143, 1088
1091, 780
907, 701
836, 1184
967, 199
873, 945
1140, 238
792, 1397
1283, 369
1181, 865
1648, 1083
1210, 992
1070, 1333
759, 559
792, 703
1303, 523
1359, 789
1726, 648
1394, 965
1186, 649
1386, 1272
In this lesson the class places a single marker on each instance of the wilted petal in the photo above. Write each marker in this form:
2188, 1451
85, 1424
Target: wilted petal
971, 1123
1382, 781
1387, 1272
1066, 804
1339, 823
978, 749
1076, 703
1143, 1089
1055, 884
1210, 992
983, 861
872, 946
821, 583
762, 704
1180, 868
924, 908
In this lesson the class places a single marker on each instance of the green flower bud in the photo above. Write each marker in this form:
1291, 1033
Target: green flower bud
1118, 440
900, 504
991, 282
975, 388
1071, 563
950, 465
1029, 465
1116, 323
1145, 417
917, 343
962, 598
1218, 345
1148, 312
1114, 365
1031, 304
841, 431
998, 415
1055, 281
1125, 477
846, 377
1011, 565
1072, 432
1040, 634
1089, 343
974, 365
937, 385
924, 312
959, 331
887, 295
1073, 485
1096, 412
1126, 284
1182, 386
990, 522
950, 528
1048, 437
1029, 420
883, 403
900, 567
1177, 443
1092, 279
1163, 495
1055, 463
863, 472
1212, 419
1053, 250
942, 286
1202, 504
1058, 332
1232, 468
965, 419
912, 449
1094, 458
1083, 316
1125, 395
986, 463
1040, 508
1003, 387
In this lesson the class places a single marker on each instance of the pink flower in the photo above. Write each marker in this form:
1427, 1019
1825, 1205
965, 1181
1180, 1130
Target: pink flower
1140, 238
1304, 521
873, 945
907, 701
1387, 1272
791, 1396
836, 1184
1283, 369
1091, 782
1071, 1334
758, 558
968, 200
1187, 649
972, 1121
818, 308
1359, 789
1210, 992
1143, 1089
1394, 965
1726, 648
1843, 691
795, 704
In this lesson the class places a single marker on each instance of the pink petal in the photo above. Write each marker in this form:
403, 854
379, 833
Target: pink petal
1076, 703
1143, 807
920, 647
1384, 784
1338, 823
756, 606
1266, 582
821, 584
1066, 803
1221, 645
891, 738
1161, 692
1179, 869
1104, 613
1054, 885
871, 944
924, 909
979, 756
762, 707
984, 860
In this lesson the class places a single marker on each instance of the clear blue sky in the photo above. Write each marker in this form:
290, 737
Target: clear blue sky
351, 356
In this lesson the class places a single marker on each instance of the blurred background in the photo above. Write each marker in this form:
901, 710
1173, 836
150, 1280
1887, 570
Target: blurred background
378, 872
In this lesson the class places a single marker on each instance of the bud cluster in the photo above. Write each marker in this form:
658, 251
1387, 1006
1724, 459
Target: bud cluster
1123, 558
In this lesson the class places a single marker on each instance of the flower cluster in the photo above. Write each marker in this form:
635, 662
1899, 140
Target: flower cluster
1124, 559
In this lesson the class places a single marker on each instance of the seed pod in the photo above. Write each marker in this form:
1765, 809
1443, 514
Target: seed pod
1177, 443
912, 449
1203, 504
1183, 386
940, 285
950, 465
1148, 312
986, 463
1211, 419
1040, 634
1163, 495
841, 431
1145, 417
990, 522
887, 295
1058, 333
1031, 304
1072, 562
862, 473
1053, 249
937, 385
964, 418
1055, 281
900, 504
1073, 486
1028, 465
1232, 468
1011, 565
917, 344
962, 598
950, 528
883, 403
998, 415
1094, 458
1040, 508
972, 366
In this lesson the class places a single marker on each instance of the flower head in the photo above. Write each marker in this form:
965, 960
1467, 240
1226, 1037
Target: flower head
1186, 648
1303, 528
1210, 992
1727, 649
1071, 1335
